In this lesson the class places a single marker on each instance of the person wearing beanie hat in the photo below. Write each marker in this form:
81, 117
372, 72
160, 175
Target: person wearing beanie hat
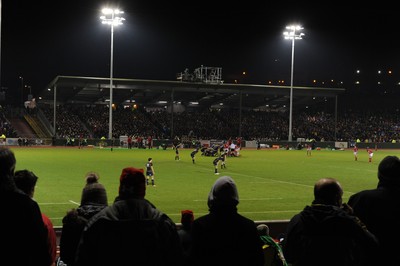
223, 236
93, 193
132, 183
92, 177
187, 218
155, 234
93, 200
379, 210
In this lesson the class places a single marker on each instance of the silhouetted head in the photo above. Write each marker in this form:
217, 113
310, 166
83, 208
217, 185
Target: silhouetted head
26, 181
263, 230
94, 194
132, 183
187, 218
389, 171
7, 162
92, 177
223, 194
328, 191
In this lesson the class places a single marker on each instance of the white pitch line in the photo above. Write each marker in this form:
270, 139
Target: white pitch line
262, 199
55, 203
353, 169
249, 199
262, 178
204, 213
260, 212
265, 180
60, 203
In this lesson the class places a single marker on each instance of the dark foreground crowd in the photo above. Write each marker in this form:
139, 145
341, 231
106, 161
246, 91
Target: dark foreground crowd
132, 231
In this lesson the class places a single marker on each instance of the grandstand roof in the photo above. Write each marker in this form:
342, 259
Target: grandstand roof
160, 93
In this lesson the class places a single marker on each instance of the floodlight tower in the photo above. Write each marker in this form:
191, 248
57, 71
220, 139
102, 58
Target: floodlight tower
293, 34
111, 17
22, 88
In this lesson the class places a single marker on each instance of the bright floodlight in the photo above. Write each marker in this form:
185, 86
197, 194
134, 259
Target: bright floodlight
109, 17
289, 35
293, 35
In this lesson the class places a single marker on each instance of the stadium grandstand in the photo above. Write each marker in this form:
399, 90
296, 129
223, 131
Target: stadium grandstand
188, 94
195, 106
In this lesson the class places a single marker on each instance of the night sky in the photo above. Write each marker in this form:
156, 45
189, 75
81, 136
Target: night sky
43, 39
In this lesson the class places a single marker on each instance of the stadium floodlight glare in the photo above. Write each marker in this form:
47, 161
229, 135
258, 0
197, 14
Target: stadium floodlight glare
293, 34
111, 17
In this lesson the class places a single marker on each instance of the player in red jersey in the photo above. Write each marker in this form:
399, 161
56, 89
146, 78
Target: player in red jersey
355, 152
370, 154
309, 149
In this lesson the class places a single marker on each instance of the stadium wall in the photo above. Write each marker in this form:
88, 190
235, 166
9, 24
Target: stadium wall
276, 228
157, 143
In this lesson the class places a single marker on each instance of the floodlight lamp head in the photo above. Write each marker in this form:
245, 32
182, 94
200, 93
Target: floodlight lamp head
288, 34
116, 22
107, 11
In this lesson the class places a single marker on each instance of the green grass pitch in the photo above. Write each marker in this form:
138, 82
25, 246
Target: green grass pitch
272, 184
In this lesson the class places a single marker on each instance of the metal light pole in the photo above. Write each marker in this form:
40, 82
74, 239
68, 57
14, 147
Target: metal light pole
111, 17
22, 89
1, 16
30, 92
292, 35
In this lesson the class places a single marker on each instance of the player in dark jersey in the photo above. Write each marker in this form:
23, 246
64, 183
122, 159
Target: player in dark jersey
150, 172
193, 154
177, 158
223, 159
215, 163
176, 142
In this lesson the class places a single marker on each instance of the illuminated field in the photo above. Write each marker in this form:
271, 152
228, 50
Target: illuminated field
272, 184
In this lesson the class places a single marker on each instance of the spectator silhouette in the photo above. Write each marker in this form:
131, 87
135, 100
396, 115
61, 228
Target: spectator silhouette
22, 228
379, 209
223, 236
93, 200
26, 181
185, 234
273, 254
326, 234
131, 231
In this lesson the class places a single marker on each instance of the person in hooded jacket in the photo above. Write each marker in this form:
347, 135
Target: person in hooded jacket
131, 231
223, 236
379, 209
326, 233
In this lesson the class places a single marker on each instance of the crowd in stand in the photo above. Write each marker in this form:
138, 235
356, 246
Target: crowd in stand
132, 231
81, 121
5, 125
